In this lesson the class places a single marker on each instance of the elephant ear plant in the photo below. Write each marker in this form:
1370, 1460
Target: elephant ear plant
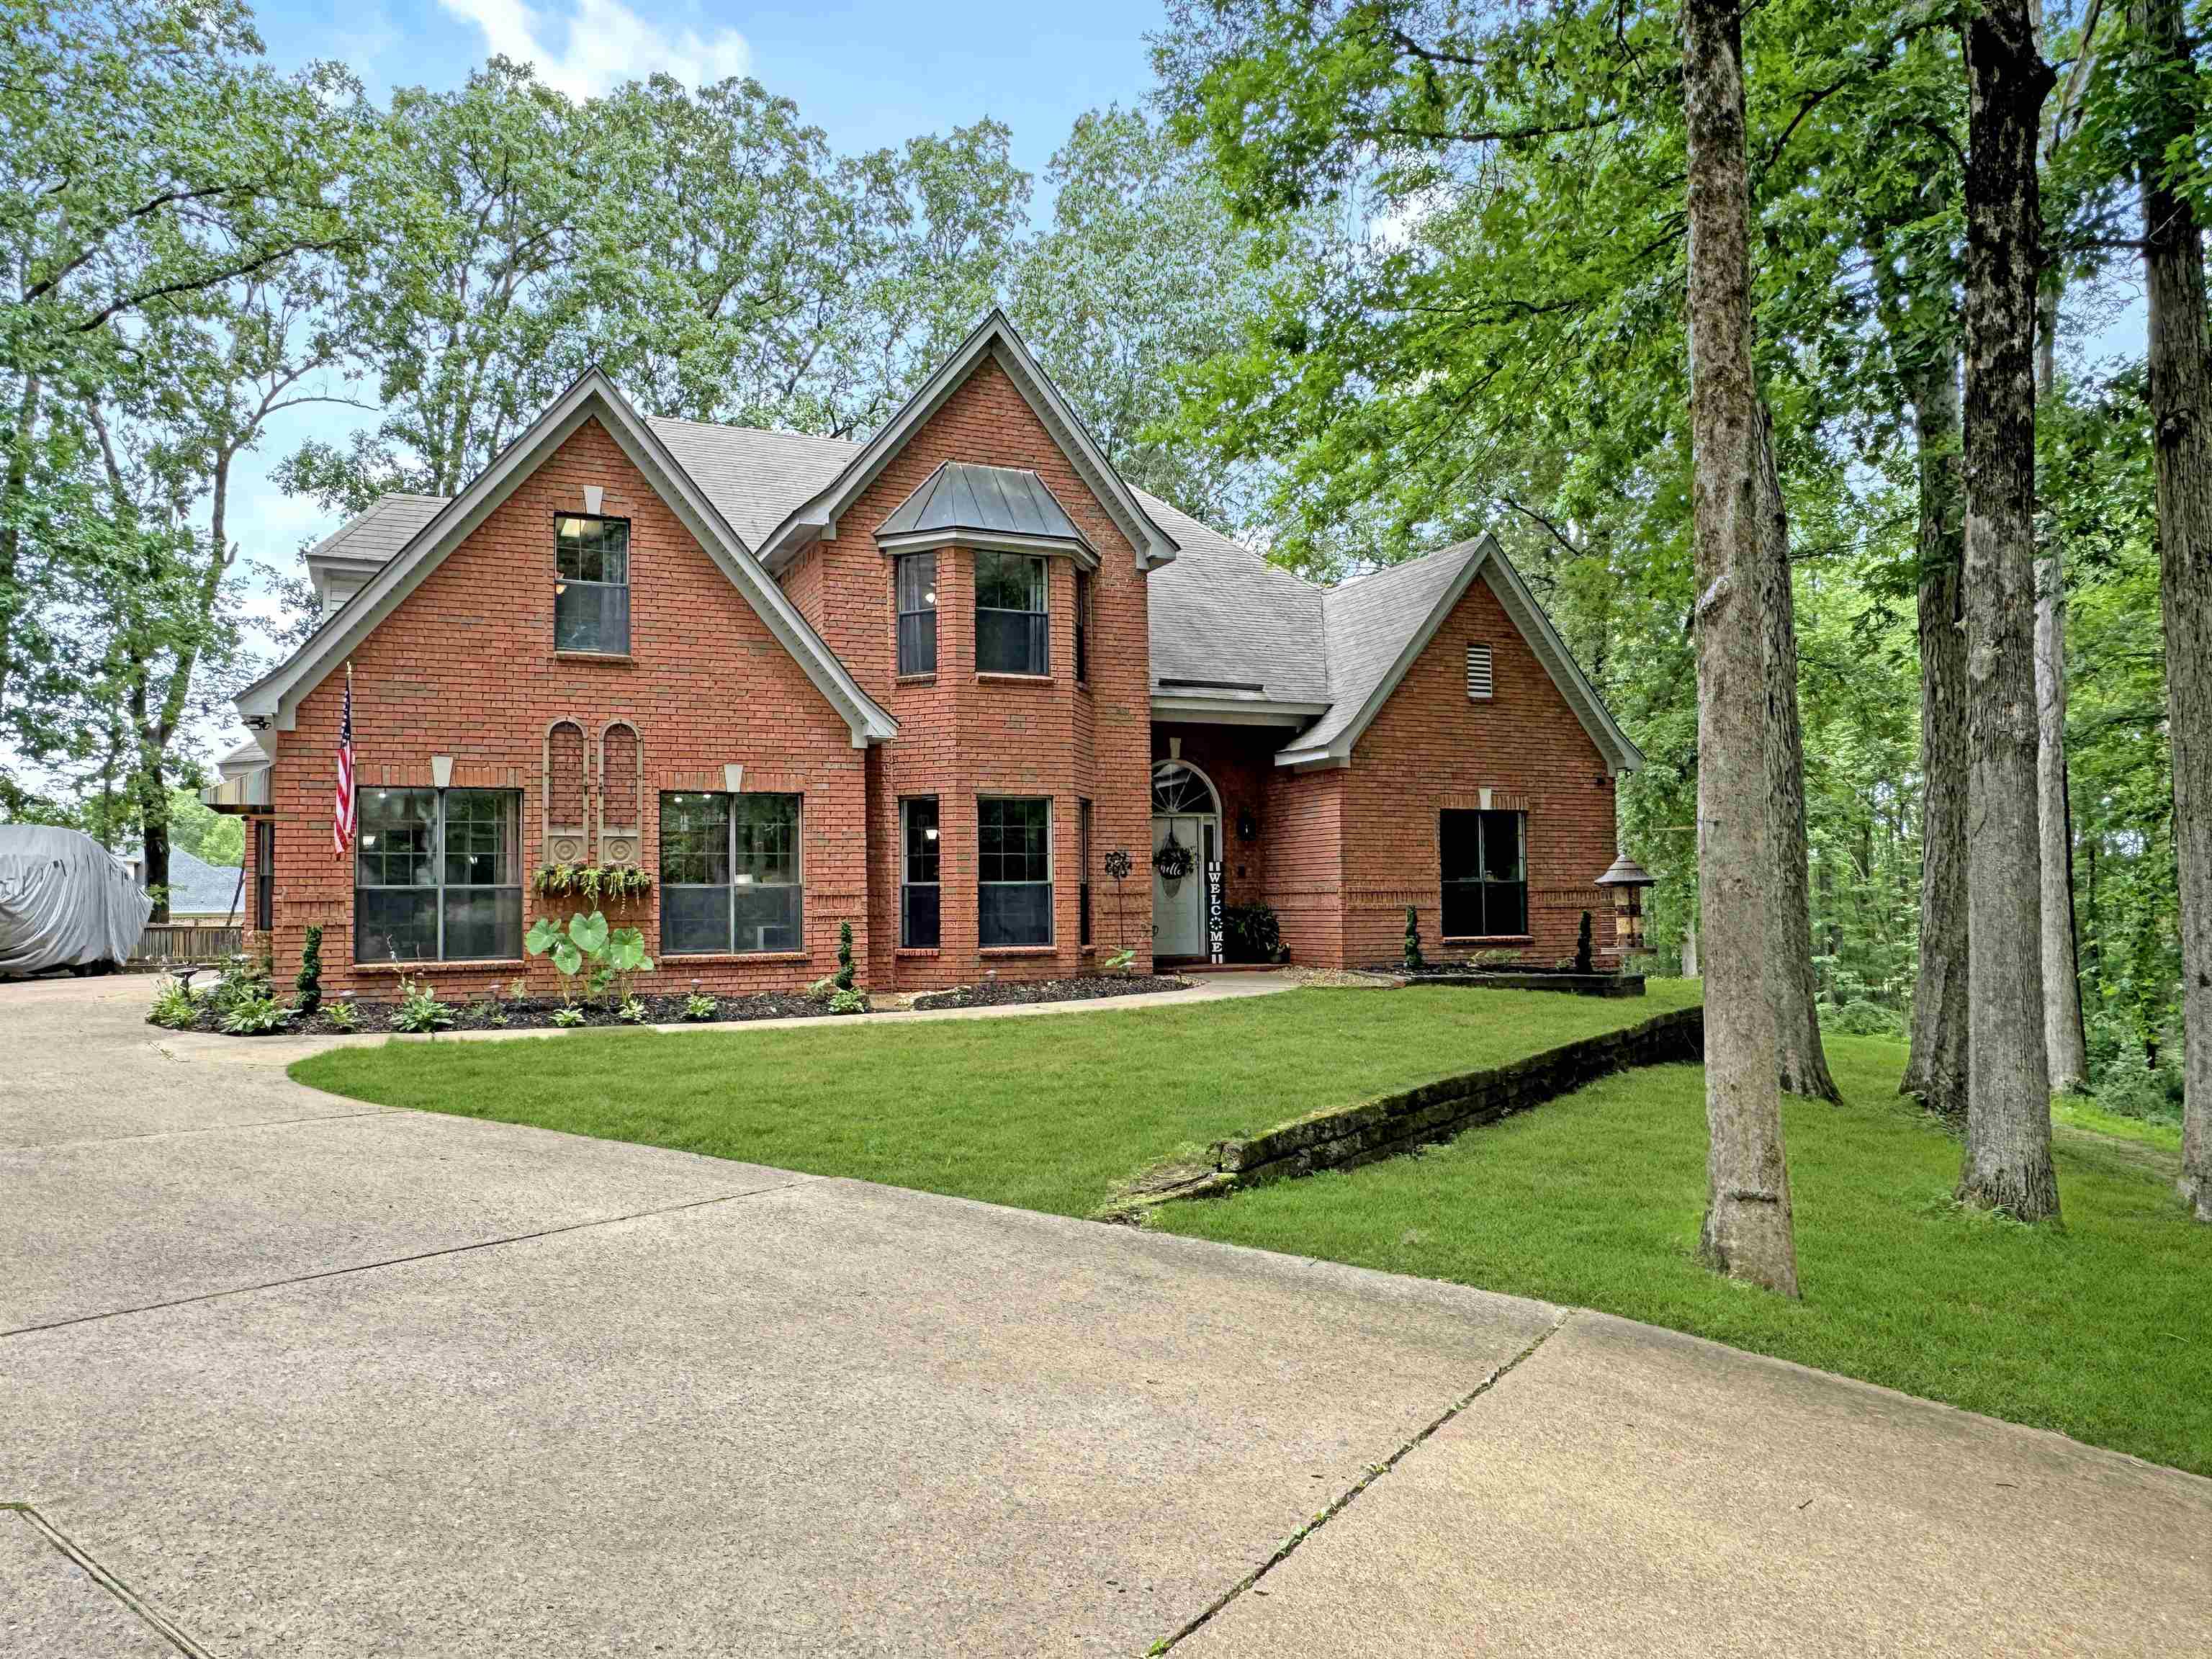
589, 955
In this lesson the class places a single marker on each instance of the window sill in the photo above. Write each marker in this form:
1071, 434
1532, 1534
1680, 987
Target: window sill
498, 964
1013, 679
996, 952
737, 955
915, 679
919, 950
1488, 939
621, 658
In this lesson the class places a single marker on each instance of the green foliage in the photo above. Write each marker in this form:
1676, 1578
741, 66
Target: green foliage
487, 1008
1413, 963
1863, 1019
212, 837
241, 978
631, 1012
615, 882
846, 1001
1120, 963
568, 1015
591, 957
174, 1008
309, 984
699, 1005
418, 1010
341, 1015
1251, 932
844, 974
255, 1016
822, 989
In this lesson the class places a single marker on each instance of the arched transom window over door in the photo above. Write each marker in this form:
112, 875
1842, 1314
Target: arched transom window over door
1180, 790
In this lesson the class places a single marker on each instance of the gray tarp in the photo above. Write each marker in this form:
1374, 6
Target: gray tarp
64, 901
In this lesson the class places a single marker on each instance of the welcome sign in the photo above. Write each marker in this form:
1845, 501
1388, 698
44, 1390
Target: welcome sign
1213, 930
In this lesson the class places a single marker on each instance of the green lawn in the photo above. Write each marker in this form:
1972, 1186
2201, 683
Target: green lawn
1047, 1112
2101, 1329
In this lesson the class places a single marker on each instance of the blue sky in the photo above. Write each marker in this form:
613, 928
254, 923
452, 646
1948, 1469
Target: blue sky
871, 74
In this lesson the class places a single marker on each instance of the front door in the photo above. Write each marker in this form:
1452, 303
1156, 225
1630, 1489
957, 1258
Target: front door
1179, 907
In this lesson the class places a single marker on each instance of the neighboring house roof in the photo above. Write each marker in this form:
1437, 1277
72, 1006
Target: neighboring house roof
1000, 505
994, 338
1232, 637
276, 696
199, 889
372, 536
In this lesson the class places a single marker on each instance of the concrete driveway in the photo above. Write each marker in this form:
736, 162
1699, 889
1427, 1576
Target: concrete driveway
281, 1375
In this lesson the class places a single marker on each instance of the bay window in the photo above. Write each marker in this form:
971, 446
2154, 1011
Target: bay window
1013, 627
916, 581
1013, 847
730, 874
438, 875
1485, 876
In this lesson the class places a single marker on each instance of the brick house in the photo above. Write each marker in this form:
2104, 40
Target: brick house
925, 684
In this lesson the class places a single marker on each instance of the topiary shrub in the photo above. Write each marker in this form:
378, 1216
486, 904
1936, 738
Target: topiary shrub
309, 984
1413, 941
1584, 963
844, 956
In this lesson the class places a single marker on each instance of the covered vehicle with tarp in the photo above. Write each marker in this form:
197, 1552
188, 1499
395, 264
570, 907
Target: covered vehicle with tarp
65, 902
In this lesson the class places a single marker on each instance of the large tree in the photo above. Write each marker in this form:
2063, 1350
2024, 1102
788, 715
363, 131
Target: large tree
2180, 361
1748, 1232
2008, 1157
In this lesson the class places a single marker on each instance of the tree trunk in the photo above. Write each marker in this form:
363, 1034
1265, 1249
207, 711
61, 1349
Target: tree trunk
1747, 1232
1936, 1065
1802, 1064
2181, 412
22, 437
2062, 1041
2008, 1159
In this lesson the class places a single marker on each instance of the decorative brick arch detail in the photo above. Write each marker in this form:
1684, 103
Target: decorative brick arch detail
566, 791
622, 793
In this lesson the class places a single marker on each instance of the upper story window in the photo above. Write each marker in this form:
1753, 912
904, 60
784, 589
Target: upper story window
1083, 585
591, 584
917, 613
1013, 630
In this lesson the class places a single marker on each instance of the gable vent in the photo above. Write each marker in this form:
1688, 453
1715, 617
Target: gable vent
1478, 672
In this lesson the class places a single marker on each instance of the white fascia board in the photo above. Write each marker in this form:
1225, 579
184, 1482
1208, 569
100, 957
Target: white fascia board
276, 696
817, 517
1043, 547
1235, 711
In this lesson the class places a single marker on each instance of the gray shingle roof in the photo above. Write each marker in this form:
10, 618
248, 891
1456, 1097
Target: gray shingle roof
374, 536
1221, 615
754, 477
1003, 500
199, 889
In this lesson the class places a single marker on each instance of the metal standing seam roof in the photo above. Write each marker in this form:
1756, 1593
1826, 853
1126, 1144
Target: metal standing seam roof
1003, 500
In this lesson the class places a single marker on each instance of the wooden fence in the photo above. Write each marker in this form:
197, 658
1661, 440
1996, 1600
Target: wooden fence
164, 942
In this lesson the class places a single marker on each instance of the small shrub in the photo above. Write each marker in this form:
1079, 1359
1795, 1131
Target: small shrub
632, 1012
568, 1015
1121, 962
1251, 932
822, 989
342, 1016
255, 1016
309, 984
1494, 959
419, 1010
846, 1000
699, 1005
1413, 963
174, 1007
2131, 1088
1860, 1018
241, 979
487, 1009
844, 975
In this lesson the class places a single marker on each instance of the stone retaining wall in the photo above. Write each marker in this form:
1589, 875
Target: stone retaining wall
1349, 1136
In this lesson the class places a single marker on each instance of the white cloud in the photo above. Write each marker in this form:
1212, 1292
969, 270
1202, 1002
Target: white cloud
604, 43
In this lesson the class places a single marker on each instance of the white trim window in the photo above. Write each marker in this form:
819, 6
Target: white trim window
1013, 849
914, 577
730, 879
591, 584
1014, 622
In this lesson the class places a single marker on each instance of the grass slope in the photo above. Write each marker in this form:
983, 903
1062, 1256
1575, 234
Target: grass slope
2099, 1330
1047, 1112
2102, 1330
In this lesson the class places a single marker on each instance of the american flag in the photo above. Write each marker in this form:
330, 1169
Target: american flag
344, 808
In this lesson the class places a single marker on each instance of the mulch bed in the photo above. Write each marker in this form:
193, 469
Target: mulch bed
534, 1013
1089, 987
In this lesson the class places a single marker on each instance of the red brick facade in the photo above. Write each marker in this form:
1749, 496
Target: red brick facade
465, 667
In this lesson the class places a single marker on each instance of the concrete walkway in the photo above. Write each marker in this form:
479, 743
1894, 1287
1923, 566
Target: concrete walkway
284, 1375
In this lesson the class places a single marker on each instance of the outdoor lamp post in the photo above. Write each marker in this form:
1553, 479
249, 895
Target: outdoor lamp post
1628, 880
